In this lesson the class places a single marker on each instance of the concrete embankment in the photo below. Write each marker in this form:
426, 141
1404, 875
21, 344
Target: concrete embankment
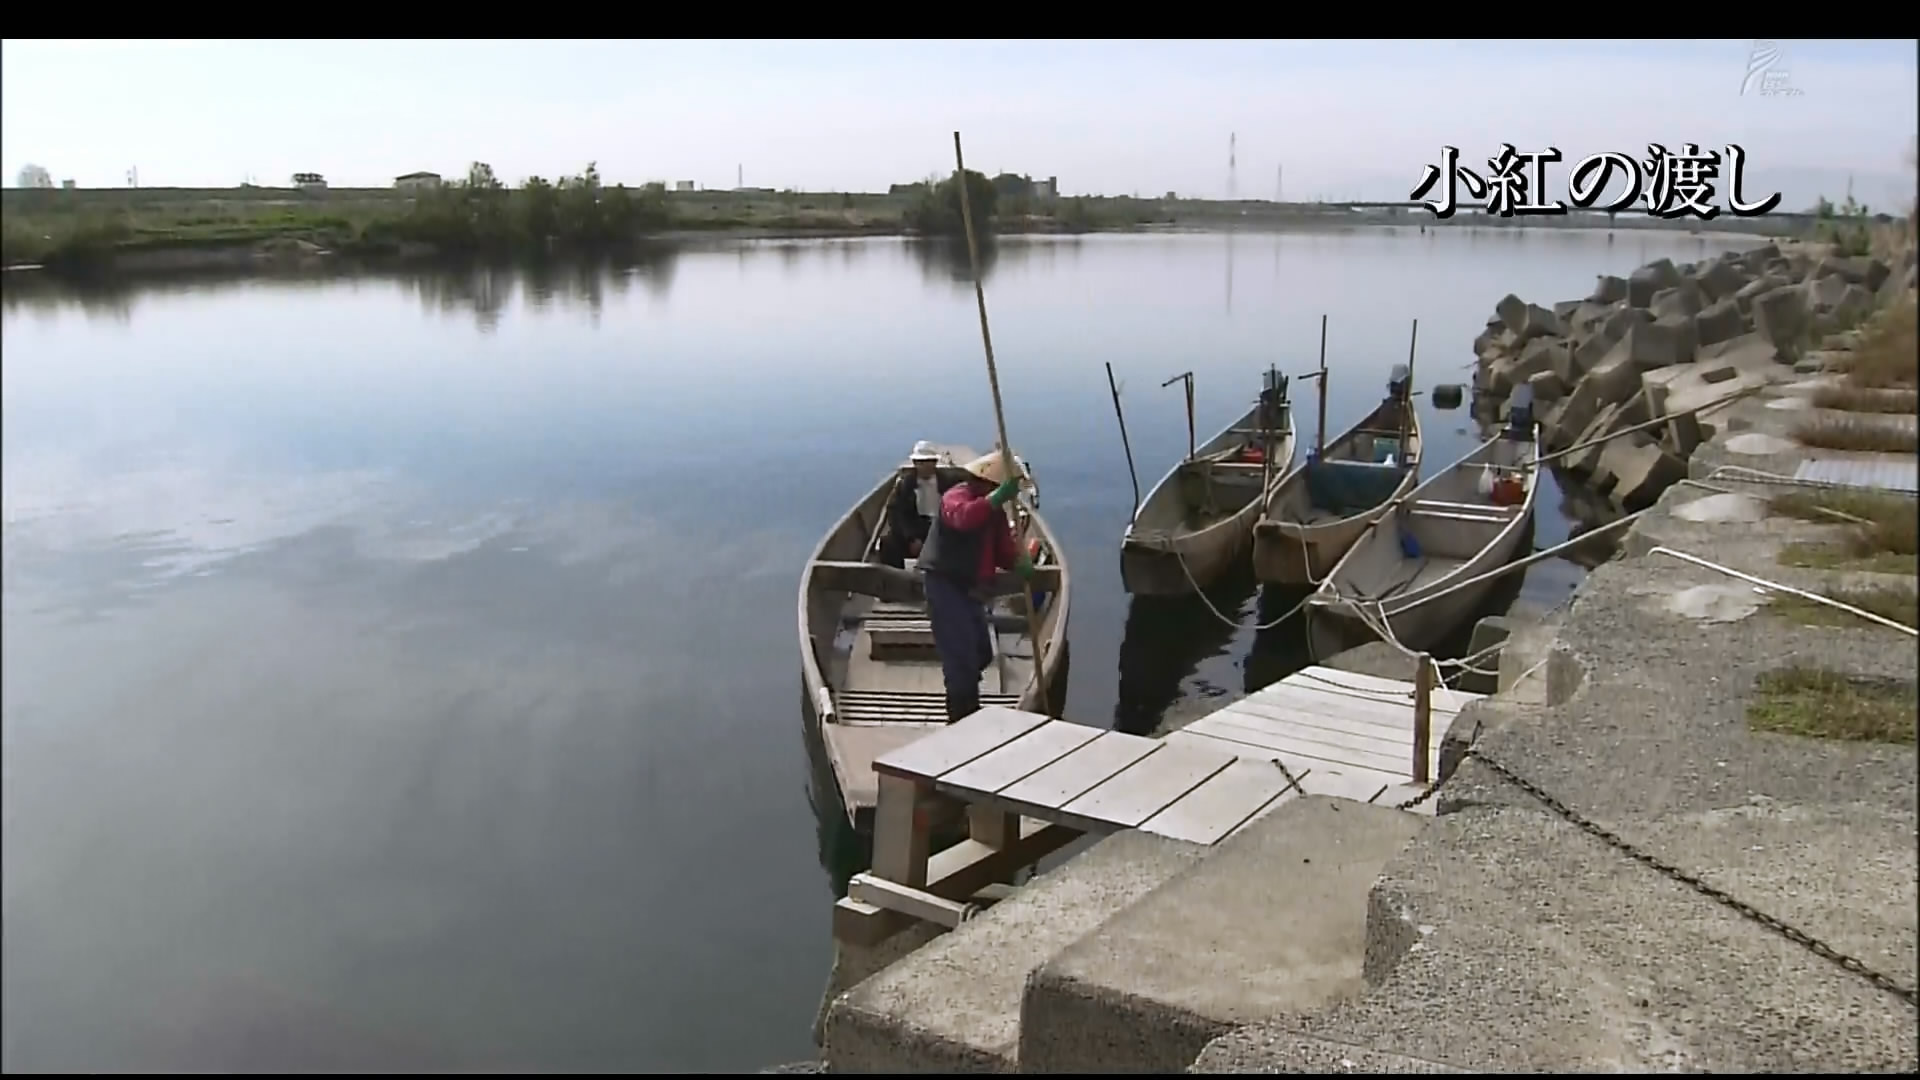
1625, 871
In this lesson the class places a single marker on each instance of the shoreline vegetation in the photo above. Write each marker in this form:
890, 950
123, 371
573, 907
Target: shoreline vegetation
133, 230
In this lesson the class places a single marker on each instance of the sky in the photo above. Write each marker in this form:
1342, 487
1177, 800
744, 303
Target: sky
1338, 119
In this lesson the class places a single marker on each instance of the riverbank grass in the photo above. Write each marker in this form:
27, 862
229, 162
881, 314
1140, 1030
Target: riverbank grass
1882, 534
1898, 602
1844, 431
1821, 704
1888, 355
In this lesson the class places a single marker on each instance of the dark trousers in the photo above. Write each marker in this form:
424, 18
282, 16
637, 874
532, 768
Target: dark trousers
960, 635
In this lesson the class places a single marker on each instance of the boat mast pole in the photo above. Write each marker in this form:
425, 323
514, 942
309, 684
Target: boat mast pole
1406, 406
1320, 433
1188, 376
1132, 475
993, 383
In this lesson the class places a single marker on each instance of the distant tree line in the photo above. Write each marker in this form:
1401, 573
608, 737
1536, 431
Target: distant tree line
482, 216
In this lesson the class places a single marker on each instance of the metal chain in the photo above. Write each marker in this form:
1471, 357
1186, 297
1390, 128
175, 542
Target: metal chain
1422, 797
1799, 937
1287, 774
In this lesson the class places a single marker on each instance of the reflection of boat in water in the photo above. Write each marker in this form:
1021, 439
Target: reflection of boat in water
843, 851
1412, 570
1278, 650
870, 676
1165, 640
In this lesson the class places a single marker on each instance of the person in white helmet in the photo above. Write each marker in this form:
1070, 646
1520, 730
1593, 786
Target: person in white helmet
916, 499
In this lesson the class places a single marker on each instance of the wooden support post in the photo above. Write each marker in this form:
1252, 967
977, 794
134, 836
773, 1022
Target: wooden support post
997, 829
1422, 717
901, 831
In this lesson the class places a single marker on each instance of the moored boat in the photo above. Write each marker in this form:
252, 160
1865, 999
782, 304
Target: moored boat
1197, 522
1318, 510
871, 678
1414, 573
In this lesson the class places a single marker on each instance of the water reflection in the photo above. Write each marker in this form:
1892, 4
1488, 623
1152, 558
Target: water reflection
1164, 643
1280, 648
945, 259
485, 291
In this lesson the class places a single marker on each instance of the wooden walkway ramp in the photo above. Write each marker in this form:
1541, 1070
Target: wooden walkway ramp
1029, 784
1341, 732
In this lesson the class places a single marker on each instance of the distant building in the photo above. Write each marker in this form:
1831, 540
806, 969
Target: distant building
907, 189
683, 185
68, 185
417, 181
1047, 189
309, 181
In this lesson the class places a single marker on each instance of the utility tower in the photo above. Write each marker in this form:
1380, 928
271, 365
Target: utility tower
1233, 163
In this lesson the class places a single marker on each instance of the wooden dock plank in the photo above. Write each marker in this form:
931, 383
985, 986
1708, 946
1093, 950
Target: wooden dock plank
1355, 679
1195, 741
959, 743
1081, 771
1346, 708
1376, 738
1316, 775
1221, 803
1322, 729
1143, 789
1020, 758
1360, 786
1278, 739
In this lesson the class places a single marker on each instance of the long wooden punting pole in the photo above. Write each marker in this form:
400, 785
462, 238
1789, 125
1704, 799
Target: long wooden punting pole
999, 414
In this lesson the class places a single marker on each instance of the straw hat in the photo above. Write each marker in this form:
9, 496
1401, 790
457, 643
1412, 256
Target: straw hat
923, 451
989, 467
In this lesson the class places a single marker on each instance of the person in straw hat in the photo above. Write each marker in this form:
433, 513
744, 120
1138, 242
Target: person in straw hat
970, 542
916, 499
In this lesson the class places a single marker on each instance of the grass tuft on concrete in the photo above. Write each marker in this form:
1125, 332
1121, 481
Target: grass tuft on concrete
1899, 602
1883, 533
1862, 399
1821, 704
1889, 352
1855, 432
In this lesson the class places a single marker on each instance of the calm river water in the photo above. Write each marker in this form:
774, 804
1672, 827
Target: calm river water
400, 672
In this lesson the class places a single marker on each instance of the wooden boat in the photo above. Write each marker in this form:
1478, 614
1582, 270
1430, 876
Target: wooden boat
1469, 519
1317, 511
1202, 512
870, 675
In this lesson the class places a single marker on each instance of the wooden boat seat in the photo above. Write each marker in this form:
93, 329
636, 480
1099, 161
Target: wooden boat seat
901, 642
1453, 511
903, 706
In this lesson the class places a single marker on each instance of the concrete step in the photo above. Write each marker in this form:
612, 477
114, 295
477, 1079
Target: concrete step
954, 1004
1272, 923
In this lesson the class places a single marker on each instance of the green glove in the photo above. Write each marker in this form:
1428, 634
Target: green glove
1004, 492
1024, 567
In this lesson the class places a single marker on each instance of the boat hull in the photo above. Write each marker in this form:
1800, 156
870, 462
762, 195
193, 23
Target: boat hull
1160, 555
1300, 554
1288, 553
1148, 568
